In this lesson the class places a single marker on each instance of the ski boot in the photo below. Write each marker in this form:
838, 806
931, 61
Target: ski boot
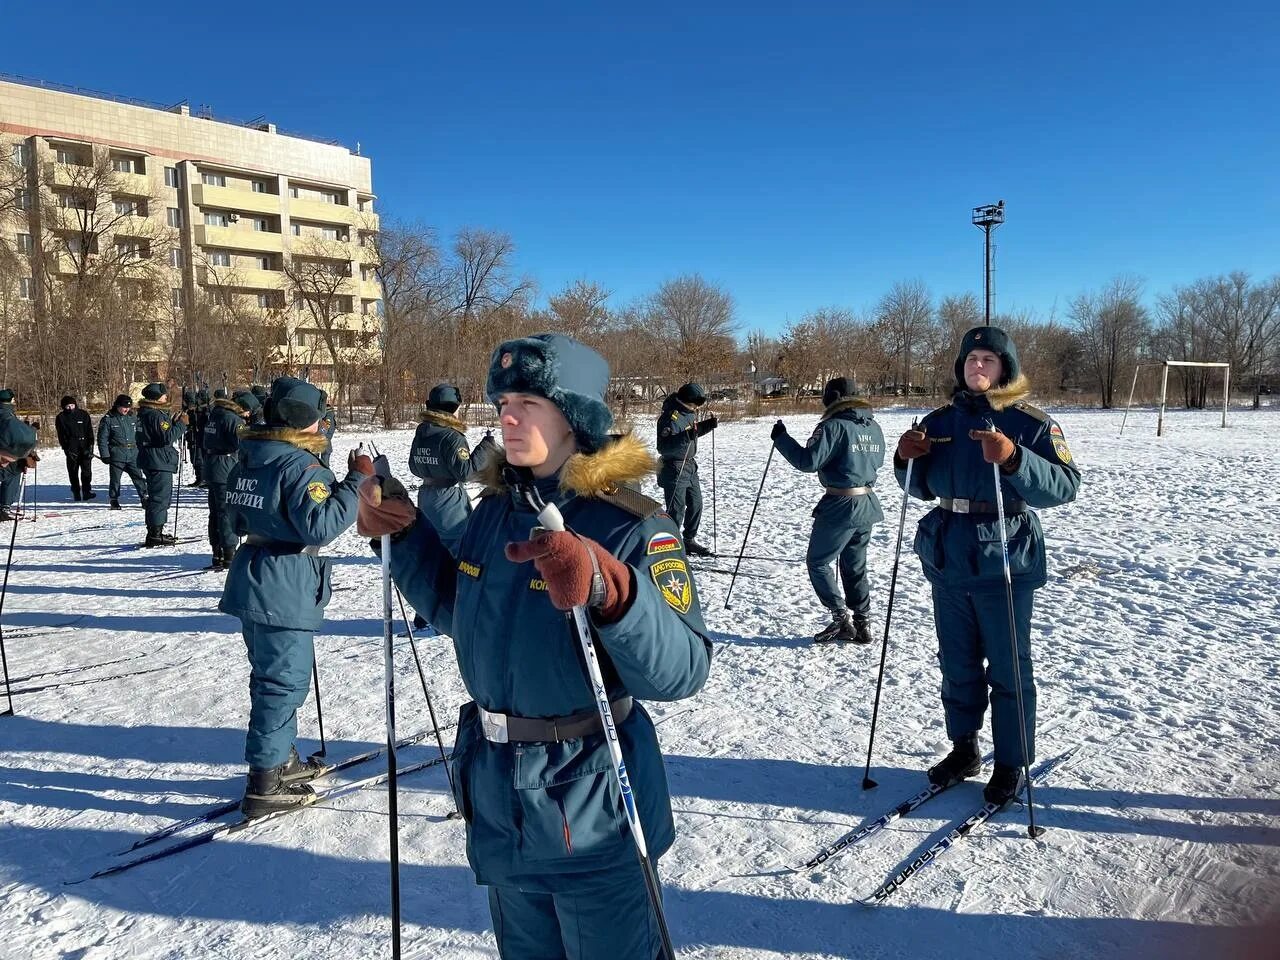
861, 630
693, 548
216, 563
156, 537
840, 631
295, 771
6, 515
115, 504
90, 495
267, 792
963, 761
1005, 784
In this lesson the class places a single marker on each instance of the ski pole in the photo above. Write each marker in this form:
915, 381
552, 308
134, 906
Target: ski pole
35, 492
715, 540
413, 645
867, 782
1032, 830
177, 491
750, 520
4, 659
550, 519
382, 470
315, 681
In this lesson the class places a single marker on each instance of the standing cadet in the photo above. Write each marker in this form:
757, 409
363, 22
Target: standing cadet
118, 447
258, 418
195, 436
846, 449
328, 427
221, 444
441, 456
158, 431
987, 422
678, 431
10, 473
17, 450
288, 506
75, 436
546, 830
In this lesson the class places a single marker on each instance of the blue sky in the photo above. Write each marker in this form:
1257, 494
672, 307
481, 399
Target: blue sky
801, 155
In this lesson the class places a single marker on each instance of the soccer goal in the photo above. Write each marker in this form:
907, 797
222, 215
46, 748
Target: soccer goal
1164, 387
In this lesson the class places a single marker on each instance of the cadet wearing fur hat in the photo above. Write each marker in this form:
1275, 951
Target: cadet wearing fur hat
158, 433
678, 431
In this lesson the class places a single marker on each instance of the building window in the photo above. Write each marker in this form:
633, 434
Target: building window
214, 179
296, 228
26, 289
264, 263
220, 258
293, 192
175, 257
329, 233
21, 154
259, 186
25, 244
72, 201
127, 208
22, 199
172, 177
261, 225
66, 155
132, 248
216, 218
122, 164
178, 297
264, 300
175, 217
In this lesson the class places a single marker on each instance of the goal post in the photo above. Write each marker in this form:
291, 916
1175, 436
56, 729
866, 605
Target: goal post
1164, 387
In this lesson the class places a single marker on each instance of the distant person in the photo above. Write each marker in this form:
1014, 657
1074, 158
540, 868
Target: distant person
845, 450
158, 432
118, 448
17, 449
221, 446
75, 436
11, 472
678, 431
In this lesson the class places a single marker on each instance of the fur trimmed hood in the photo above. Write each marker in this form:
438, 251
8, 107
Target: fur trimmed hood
1001, 398
619, 461
442, 419
315, 443
155, 405
231, 405
840, 406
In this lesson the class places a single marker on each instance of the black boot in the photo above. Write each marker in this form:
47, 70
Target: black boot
693, 548
1004, 785
5, 514
295, 771
963, 761
115, 504
216, 563
90, 495
228, 554
840, 631
153, 538
266, 792
861, 630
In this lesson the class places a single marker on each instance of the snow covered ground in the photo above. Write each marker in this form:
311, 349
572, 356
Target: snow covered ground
1156, 644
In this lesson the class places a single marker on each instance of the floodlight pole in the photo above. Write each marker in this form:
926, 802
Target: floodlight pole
986, 218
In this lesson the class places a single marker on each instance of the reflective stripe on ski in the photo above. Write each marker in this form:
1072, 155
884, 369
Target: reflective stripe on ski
236, 826
958, 832
222, 809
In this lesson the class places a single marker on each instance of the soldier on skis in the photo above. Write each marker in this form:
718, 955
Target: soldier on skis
288, 506
158, 431
846, 449
678, 431
988, 421
546, 830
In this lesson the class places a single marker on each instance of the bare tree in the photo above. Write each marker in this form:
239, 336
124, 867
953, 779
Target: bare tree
579, 310
903, 317
1113, 326
691, 327
318, 274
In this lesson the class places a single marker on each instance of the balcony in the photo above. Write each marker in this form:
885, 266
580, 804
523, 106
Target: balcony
235, 238
228, 198
131, 184
370, 290
368, 221
322, 212
242, 278
67, 174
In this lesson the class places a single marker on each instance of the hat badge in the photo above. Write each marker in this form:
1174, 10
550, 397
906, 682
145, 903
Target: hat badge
505, 361
977, 336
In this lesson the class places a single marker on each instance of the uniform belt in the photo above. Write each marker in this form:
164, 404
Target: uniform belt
431, 483
961, 505
280, 546
848, 491
501, 728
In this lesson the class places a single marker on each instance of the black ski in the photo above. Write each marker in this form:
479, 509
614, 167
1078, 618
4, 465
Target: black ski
236, 826
80, 669
40, 630
222, 809
958, 831
88, 680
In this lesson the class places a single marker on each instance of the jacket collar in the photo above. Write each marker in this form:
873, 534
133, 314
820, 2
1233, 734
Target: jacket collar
442, 419
145, 404
315, 443
998, 398
840, 406
232, 406
624, 460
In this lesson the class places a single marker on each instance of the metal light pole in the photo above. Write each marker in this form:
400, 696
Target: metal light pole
986, 217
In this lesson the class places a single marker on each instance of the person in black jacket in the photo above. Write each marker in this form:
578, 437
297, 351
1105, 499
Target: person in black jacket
75, 436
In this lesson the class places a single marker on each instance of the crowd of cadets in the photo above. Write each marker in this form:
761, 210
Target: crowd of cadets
546, 831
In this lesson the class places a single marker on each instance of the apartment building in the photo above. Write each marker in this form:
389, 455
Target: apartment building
233, 212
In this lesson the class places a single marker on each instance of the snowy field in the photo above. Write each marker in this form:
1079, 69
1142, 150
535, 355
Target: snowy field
1157, 644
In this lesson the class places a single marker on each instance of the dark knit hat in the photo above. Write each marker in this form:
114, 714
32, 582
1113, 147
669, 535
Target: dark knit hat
259, 391
837, 389
995, 340
202, 395
153, 391
692, 394
6, 395
17, 439
295, 403
123, 400
68, 399
444, 396
568, 373
220, 393
189, 396
246, 400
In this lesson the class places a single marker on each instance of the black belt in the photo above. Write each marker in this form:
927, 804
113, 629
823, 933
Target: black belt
961, 505
501, 728
431, 483
280, 546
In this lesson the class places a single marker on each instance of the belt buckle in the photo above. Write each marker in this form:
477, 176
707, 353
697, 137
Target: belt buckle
494, 726
959, 505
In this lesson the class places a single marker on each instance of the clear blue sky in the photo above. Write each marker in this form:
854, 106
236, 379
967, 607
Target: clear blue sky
799, 154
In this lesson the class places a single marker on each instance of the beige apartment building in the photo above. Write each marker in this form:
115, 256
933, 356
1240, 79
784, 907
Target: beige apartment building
242, 210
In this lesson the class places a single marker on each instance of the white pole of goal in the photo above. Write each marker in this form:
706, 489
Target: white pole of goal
1164, 386
1132, 388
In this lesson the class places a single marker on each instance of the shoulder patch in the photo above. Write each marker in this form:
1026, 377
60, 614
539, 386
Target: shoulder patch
464, 453
662, 543
164, 424
671, 577
472, 570
318, 491
633, 502
1034, 412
